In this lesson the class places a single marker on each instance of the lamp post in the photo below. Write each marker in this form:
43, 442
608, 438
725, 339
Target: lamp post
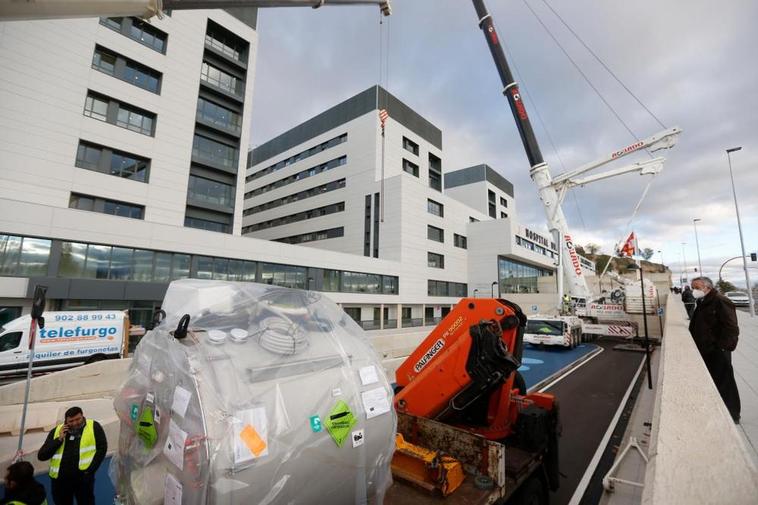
697, 246
492, 289
634, 266
684, 264
663, 265
475, 292
739, 227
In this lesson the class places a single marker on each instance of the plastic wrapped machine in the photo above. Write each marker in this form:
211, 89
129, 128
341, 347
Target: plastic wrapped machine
274, 396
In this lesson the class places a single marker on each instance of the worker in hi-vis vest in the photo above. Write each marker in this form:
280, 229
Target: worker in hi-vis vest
75, 449
20, 486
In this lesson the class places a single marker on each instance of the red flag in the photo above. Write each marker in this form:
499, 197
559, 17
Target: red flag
383, 116
630, 247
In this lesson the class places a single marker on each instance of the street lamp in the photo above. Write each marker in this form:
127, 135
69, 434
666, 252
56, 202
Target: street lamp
739, 227
697, 245
475, 292
634, 266
663, 265
684, 264
492, 289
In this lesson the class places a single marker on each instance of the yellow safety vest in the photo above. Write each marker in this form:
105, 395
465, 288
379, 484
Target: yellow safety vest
15, 502
87, 449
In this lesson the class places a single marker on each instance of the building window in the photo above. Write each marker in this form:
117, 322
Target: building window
205, 149
376, 224
435, 172
313, 236
298, 157
126, 69
218, 115
409, 167
434, 233
435, 260
503, 202
110, 161
297, 217
210, 191
435, 208
503, 215
367, 227
104, 206
491, 204
444, 288
221, 79
124, 115
138, 30
459, 241
225, 42
96, 107
410, 145
289, 276
329, 165
24, 256
296, 197
517, 277
355, 282
206, 224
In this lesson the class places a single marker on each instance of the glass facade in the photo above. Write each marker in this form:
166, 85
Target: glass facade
221, 79
296, 197
205, 224
218, 115
215, 152
297, 217
29, 257
517, 277
445, 288
206, 190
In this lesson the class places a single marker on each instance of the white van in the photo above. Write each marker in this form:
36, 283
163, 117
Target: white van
564, 331
68, 339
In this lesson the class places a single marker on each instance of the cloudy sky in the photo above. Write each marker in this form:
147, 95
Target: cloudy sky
692, 63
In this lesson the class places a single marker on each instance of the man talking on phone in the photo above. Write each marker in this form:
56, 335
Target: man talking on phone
76, 449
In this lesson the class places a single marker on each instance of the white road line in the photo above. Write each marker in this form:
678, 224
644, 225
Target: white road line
569, 372
585, 481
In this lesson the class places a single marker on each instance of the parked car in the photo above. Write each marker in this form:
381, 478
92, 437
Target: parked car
738, 298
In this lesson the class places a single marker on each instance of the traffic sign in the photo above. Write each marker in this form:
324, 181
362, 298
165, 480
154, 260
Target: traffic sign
660, 311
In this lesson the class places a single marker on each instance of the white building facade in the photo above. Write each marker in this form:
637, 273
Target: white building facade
122, 168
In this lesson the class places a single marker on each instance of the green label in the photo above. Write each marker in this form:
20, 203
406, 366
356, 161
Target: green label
146, 428
134, 413
315, 424
339, 422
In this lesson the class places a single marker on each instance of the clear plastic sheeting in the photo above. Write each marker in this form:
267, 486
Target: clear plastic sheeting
275, 396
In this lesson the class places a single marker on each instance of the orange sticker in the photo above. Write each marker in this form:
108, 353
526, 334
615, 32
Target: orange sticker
252, 440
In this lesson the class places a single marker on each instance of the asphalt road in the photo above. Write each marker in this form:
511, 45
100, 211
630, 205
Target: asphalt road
589, 399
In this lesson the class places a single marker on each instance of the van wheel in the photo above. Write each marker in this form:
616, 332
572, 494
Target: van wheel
94, 358
532, 492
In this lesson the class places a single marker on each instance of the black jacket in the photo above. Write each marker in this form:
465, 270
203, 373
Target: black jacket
70, 462
32, 494
714, 323
687, 296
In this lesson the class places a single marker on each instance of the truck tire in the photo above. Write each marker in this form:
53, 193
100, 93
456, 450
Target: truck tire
532, 492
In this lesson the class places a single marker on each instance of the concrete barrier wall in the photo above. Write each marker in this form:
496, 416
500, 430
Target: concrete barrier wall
96, 380
696, 453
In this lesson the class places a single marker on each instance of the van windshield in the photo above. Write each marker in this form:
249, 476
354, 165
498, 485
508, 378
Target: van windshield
538, 327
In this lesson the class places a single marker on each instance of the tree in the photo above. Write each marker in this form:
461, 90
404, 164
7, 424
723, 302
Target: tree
592, 248
725, 286
647, 253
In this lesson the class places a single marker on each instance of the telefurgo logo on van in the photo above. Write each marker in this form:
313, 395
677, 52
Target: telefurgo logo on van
428, 355
49, 334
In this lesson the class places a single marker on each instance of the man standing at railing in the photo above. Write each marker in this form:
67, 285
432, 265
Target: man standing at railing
713, 325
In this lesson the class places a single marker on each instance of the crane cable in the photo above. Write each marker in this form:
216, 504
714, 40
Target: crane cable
584, 76
599, 60
379, 86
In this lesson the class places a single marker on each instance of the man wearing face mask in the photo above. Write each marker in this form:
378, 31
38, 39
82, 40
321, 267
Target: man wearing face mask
76, 449
714, 328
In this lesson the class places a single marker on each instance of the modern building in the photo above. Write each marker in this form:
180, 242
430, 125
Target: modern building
120, 170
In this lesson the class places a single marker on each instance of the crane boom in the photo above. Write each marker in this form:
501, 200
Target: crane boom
15, 10
539, 172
